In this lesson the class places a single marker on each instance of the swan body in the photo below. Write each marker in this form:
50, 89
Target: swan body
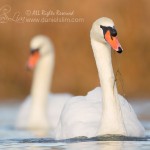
82, 116
41, 110
53, 110
102, 111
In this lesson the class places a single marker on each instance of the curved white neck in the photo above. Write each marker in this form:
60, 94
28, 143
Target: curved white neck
41, 85
111, 121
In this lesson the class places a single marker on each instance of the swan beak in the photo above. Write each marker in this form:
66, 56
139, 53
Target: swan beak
113, 42
33, 59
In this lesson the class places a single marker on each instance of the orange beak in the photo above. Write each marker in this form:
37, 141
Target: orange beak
33, 59
113, 42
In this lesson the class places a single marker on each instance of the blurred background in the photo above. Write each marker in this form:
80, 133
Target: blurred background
75, 69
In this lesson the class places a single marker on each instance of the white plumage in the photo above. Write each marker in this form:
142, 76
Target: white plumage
102, 111
53, 111
41, 110
81, 116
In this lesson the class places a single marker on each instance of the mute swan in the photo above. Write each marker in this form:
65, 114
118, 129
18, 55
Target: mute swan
41, 110
102, 111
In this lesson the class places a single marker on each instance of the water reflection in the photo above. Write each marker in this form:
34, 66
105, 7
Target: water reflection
119, 145
39, 133
80, 146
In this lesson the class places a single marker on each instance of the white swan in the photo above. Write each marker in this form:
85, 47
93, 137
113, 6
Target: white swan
102, 111
41, 110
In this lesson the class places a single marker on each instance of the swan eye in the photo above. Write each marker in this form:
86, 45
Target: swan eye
112, 30
33, 51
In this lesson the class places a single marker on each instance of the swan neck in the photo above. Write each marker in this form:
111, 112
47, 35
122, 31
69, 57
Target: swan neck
102, 54
41, 85
111, 109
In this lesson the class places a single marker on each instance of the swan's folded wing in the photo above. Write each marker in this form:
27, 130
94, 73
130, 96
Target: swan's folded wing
80, 116
55, 105
23, 113
132, 124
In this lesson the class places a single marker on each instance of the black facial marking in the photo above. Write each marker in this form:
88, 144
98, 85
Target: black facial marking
113, 31
32, 51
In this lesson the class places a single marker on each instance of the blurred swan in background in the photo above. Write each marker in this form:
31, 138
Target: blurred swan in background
41, 110
102, 111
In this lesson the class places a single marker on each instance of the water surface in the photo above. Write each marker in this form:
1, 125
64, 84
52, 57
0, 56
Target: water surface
13, 139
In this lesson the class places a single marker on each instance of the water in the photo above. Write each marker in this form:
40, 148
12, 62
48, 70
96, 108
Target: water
13, 139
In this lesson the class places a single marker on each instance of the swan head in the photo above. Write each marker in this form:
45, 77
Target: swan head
40, 46
104, 31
